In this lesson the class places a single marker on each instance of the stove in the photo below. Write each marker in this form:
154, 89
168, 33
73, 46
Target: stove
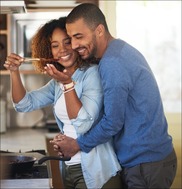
38, 176
36, 171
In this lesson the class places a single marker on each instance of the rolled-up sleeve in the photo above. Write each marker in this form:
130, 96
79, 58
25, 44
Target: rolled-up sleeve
23, 105
92, 101
36, 99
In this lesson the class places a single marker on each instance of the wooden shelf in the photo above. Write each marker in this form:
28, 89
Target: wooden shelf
6, 72
4, 32
29, 72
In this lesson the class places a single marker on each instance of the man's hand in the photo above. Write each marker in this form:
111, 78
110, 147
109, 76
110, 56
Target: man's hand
65, 146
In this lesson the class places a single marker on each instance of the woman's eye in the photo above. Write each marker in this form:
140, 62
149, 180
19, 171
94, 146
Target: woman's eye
54, 46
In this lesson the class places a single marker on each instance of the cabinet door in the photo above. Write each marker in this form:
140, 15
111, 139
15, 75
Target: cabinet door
3, 40
3, 50
56, 175
3, 22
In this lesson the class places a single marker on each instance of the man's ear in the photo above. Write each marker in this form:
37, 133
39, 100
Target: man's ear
100, 30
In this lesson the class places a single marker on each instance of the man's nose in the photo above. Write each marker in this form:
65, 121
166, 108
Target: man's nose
74, 44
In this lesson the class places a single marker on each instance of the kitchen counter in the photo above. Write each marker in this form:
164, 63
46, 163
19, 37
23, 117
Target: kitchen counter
24, 139
26, 183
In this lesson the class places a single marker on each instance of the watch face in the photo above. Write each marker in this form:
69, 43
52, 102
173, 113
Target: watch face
58, 66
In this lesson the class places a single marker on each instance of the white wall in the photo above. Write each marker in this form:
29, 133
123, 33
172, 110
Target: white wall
154, 28
109, 10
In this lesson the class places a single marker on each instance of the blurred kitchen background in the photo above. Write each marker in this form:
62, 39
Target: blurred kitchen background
153, 27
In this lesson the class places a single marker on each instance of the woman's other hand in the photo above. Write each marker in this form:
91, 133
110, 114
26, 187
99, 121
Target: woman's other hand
63, 77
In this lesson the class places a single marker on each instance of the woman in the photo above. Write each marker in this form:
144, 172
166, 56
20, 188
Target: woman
77, 103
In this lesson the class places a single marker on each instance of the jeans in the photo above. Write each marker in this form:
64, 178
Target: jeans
154, 175
73, 178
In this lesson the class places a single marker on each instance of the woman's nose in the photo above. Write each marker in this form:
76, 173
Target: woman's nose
62, 48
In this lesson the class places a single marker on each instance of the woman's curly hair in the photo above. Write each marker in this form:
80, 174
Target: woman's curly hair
41, 43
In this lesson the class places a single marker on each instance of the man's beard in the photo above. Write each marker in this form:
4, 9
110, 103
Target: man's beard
92, 56
93, 52
92, 60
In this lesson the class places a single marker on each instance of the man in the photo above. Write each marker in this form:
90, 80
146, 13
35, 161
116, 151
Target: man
133, 114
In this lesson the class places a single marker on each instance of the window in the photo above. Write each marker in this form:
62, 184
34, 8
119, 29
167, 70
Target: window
154, 28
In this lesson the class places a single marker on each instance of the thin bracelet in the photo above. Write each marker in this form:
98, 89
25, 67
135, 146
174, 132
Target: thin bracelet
69, 90
69, 85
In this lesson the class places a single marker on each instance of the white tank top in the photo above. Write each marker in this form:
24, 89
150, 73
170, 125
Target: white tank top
68, 128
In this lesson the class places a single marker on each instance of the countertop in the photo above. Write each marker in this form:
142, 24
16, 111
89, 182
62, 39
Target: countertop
26, 183
24, 139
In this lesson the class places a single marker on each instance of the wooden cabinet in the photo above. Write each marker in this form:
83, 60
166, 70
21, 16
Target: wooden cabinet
4, 39
56, 175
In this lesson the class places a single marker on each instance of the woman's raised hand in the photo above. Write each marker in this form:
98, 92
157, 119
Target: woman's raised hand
13, 62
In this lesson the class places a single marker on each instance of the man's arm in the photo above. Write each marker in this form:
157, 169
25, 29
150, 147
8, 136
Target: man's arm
115, 98
116, 88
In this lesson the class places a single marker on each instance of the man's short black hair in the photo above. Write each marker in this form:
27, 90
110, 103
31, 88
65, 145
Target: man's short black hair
91, 14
